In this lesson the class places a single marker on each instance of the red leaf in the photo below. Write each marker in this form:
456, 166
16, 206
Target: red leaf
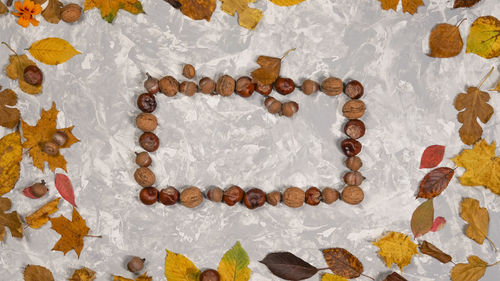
432, 156
435, 182
27, 193
438, 224
65, 188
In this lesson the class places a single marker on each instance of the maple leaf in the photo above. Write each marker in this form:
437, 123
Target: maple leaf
472, 105
10, 220
37, 136
445, 41
11, 153
247, 17
37, 273
269, 70
198, 9
83, 274
41, 216
109, 8
409, 6
15, 71
396, 248
72, 233
9, 117
484, 37
482, 166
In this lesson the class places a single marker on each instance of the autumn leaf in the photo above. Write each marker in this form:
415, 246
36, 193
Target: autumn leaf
286, 2
482, 166
9, 117
269, 70
396, 248
198, 9
438, 224
331, 277
287, 266
52, 50
478, 219
41, 216
37, 273
37, 136
465, 3
142, 277
247, 17
435, 182
3, 8
422, 218
72, 233
83, 274
484, 39
445, 41
497, 88
180, 268
432, 156
471, 271
52, 13
409, 6
343, 263
10, 220
65, 188
433, 251
394, 277
11, 153
15, 71
109, 8
234, 265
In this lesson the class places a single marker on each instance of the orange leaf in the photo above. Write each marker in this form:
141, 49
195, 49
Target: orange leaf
409, 6
72, 233
269, 70
9, 117
445, 41
198, 9
9, 220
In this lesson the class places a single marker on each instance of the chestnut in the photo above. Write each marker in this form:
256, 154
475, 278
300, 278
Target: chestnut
313, 196
210, 275
351, 147
233, 195
254, 198
355, 128
245, 86
264, 90
146, 102
149, 141
148, 195
284, 86
354, 89
169, 196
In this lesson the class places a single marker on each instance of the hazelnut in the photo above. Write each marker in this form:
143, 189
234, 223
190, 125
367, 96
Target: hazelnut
207, 85
188, 71
353, 109
332, 86
169, 196
191, 197
289, 108
51, 148
225, 85
233, 195
355, 128
188, 88
294, 197
144, 177
135, 264
33, 75
245, 86
147, 122
351, 147
353, 178
148, 195
169, 86
152, 84
254, 198
352, 194
274, 198
142, 159
264, 90
354, 163
146, 102
313, 196
71, 13
309, 87
60, 138
273, 106
354, 89
210, 275
215, 194
149, 141
329, 195
284, 86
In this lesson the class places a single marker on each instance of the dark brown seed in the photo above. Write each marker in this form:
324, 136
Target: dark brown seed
264, 90
148, 195
355, 128
233, 195
313, 196
146, 102
284, 86
354, 89
149, 141
169, 196
254, 198
351, 147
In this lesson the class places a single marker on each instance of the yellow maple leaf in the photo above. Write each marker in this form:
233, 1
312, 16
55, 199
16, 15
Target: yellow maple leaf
180, 268
142, 277
37, 136
10, 220
109, 8
247, 17
482, 166
83, 274
11, 153
41, 216
234, 265
52, 50
72, 233
483, 37
396, 248
332, 277
409, 6
15, 71
287, 2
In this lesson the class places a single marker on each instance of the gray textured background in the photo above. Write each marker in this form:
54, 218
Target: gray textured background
222, 141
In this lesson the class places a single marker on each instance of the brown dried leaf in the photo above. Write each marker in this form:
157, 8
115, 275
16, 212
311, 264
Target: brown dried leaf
83, 274
39, 1
445, 41
269, 70
41, 216
72, 233
433, 251
343, 263
9, 117
409, 6
3, 8
465, 3
471, 271
247, 17
435, 182
287, 266
475, 103
422, 218
37, 273
478, 219
10, 220
395, 277
15, 71
52, 13
198, 9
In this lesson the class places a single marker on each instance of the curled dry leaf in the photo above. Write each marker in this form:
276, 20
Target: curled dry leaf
287, 266
422, 218
483, 37
10, 220
11, 153
41, 216
9, 117
37, 273
247, 17
269, 70
198, 9
438, 224
65, 188
234, 265
478, 219
465, 3
52, 50
432, 156
445, 41
83, 274
142, 277
72, 233
343, 263
396, 248
471, 271
433, 251
52, 13
394, 277
435, 182
15, 71
180, 268
331, 277
286, 2
409, 6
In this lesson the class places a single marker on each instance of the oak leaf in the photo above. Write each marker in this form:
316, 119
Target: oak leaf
83, 274
286, 3
482, 166
471, 271
15, 71
269, 70
484, 38
52, 13
247, 17
331, 277
409, 6
72, 233
445, 41
198, 9
180, 268
472, 105
11, 153
142, 277
396, 248
435, 182
433, 251
36, 136
10, 220
478, 219
234, 265
41, 216
465, 3
37, 273
52, 50
343, 263
422, 218
432, 156
9, 117
109, 8
288, 266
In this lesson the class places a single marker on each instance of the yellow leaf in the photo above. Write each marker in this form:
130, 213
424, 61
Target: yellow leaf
198, 9
37, 273
396, 248
41, 216
9, 117
37, 136
247, 17
109, 8
471, 271
234, 265
11, 153
52, 50
409, 6
482, 166
83, 274
478, 219
10, 220
72, 233
180, 268
15, 70
331, 277
119, 278
286, 2
484, 39
142, 277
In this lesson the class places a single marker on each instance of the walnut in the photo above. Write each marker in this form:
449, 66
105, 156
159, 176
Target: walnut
332, 86
191, 197
71, 13
169, 86
329, 195
144, 177
353, 109
147, 122
353, 195
294, 197
274, 198
225, 85
189, 71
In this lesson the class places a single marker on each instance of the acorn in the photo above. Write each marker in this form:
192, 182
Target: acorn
135, 264
152, 84
60, 138
289, 108
51, 148
38, 189
272, 105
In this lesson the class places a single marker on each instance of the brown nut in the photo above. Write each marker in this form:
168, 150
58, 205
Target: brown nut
294, 197
284, 86
152, 85
329, 195
353, 178
273, 106
351, 147
215, 194
191, 197
353, 109
355, 128
313, 196
225, 85
188, 71
71, 13
60, 138
354, 89
353, 195
233, 195
146, 102
245, 86
210, 275
33, 75
332, 86
169, 196
143, 159
135, 264
254, 198
144, 177
169, 86
274, 198
354, 163
309, 87
207, 85
149, 141
289, 108
38, 189
264, 90
51, 148
148, 195
147, 122
188, 88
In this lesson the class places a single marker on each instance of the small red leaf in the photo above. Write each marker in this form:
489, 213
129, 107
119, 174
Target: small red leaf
65, 188
432, 156
27, 193
438, 224
435, 182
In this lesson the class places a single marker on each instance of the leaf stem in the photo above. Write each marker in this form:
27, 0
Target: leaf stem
10, 48
93, 236
368, 276
492, 244
323, 268
486, 77
460, 22
287, 52
493, 264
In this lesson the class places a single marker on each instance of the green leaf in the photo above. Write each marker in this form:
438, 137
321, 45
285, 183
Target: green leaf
234, 265
484, 37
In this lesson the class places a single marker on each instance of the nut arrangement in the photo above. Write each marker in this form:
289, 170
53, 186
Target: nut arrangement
253, 198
